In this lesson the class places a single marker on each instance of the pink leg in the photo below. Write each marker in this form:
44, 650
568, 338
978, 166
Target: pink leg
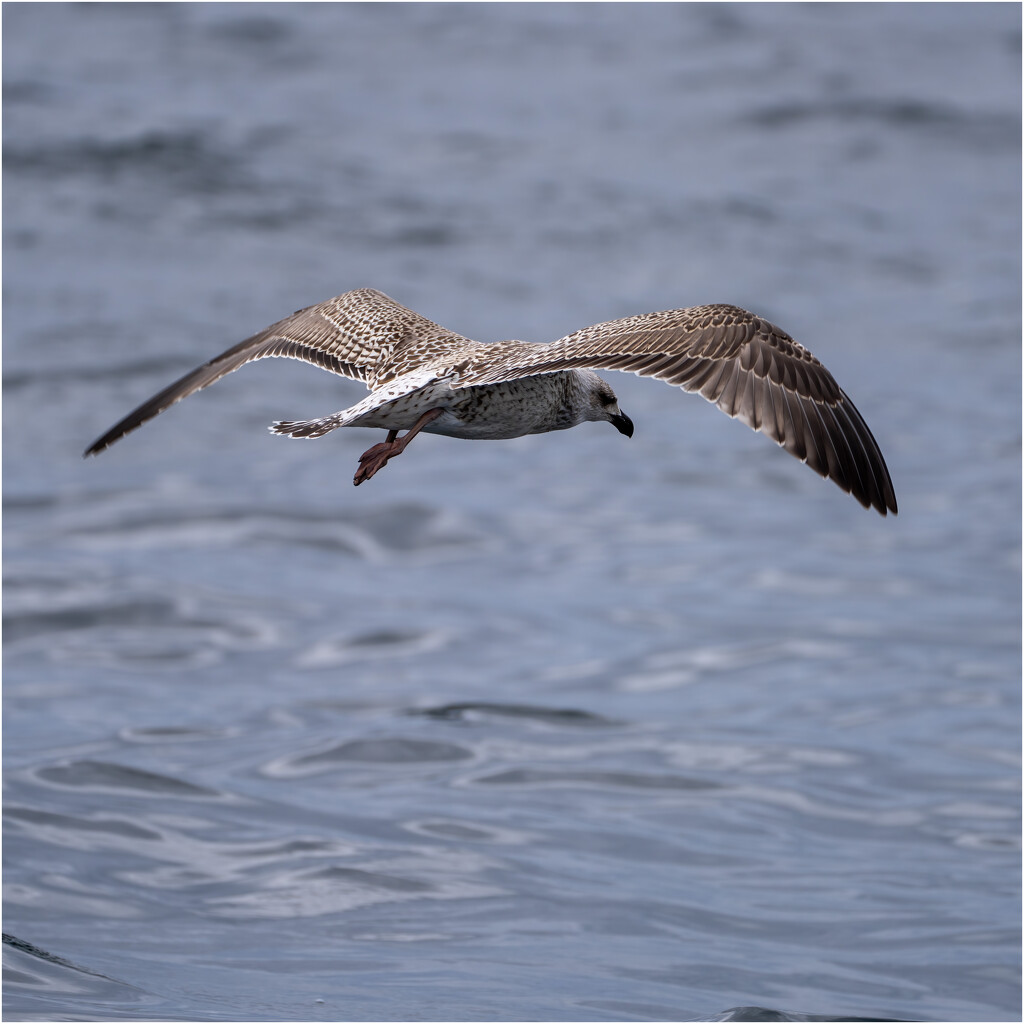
376, 458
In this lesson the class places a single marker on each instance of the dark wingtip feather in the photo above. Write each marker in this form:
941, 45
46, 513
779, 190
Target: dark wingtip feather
193, 381
127, 425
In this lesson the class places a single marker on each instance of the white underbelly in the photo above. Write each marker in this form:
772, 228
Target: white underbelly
450, 425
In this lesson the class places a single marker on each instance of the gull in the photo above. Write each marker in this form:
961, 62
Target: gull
422, 377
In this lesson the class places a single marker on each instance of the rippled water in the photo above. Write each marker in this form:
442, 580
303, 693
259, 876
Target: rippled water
567, 727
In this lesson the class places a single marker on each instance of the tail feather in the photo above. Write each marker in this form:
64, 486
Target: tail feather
306, 428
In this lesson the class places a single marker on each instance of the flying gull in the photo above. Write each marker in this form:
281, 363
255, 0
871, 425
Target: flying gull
423, 377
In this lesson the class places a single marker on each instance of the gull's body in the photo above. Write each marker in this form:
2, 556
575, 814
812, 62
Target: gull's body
425, 378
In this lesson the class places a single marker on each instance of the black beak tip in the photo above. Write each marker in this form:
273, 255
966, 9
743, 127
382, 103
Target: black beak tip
623, 424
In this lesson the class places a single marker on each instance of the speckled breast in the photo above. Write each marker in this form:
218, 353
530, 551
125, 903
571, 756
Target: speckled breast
531, 405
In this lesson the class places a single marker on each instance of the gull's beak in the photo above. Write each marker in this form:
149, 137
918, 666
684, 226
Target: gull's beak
623, 424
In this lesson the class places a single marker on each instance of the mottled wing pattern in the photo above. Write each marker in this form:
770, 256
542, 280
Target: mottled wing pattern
749, 368
362, 334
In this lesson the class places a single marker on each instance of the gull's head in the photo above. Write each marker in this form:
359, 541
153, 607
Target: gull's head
601, 404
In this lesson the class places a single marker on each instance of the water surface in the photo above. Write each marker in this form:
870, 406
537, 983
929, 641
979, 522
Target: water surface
567, 727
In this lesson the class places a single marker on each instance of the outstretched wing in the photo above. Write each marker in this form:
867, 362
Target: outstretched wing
362, 334
749, 368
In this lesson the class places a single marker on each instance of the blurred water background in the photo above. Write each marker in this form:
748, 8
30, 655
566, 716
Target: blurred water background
566, 727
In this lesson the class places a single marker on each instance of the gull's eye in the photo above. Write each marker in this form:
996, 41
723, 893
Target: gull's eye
607, 400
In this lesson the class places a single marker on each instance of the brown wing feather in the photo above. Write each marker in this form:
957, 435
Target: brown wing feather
363, 335
749, 368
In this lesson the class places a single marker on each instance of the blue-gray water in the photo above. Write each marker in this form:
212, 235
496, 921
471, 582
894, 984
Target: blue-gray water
567, 727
